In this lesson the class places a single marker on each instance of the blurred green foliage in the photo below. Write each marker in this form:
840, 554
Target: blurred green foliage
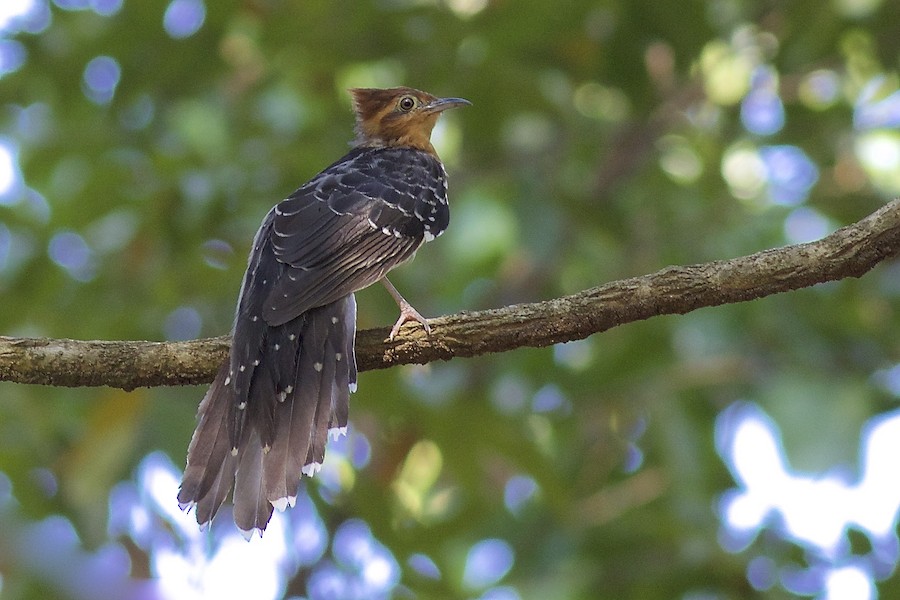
597, 147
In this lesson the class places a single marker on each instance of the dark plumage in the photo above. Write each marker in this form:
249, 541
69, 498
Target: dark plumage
287, 382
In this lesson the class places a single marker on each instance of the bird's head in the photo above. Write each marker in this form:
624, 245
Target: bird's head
399, 116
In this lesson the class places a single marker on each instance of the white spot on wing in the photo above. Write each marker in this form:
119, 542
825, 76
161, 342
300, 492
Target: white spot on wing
334, 320
228, 380
311, 469
336, 432
318, 367
242, 405
428, 236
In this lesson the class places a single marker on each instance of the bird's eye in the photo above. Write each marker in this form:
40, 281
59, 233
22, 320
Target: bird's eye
407, 103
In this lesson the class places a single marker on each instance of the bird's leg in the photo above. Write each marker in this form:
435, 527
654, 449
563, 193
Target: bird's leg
407, 312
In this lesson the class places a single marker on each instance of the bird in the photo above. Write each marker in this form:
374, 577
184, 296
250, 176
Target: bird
285, 386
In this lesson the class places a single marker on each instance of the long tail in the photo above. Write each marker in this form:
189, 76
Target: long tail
298, 393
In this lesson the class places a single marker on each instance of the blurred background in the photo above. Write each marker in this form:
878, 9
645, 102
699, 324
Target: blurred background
745, 451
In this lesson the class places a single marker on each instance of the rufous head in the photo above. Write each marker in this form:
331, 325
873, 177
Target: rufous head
400, 116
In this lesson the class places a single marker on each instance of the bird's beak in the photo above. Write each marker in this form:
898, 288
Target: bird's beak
442, 104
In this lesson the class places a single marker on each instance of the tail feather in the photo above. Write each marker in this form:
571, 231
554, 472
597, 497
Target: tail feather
344, 341
305, 400
283, 343
246, 357
261, 406
300, 389
209, 453
324, 412
294, 419
209, 504
252, 510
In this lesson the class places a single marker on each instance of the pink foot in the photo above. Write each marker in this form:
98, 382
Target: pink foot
408, 313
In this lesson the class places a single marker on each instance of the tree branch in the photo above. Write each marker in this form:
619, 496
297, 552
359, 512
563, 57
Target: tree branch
848, 252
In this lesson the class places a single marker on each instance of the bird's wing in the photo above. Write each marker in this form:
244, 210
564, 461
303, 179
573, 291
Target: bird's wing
349, 226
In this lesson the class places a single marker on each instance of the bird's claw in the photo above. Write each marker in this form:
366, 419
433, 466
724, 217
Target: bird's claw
408, 313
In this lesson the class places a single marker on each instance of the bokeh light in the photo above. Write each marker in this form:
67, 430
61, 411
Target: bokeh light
762, 111
183, 323
184, 18
13, 12
518, 490
69, 250
811, 511
101, 76
790, 173
424, 566
487, 563
9, 171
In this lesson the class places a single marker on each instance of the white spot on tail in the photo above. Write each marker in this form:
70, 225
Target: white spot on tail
243, 368
318, 367
292, 337
281, 504
334, 320
338, 356
254, 318
282, 396
336, 432
256, 363
242, 405
234, 451
247, 534
353, 387
277, 346
228, 380
289, 389
428, 236
311, 469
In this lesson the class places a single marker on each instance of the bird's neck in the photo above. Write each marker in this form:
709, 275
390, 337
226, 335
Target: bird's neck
409, 141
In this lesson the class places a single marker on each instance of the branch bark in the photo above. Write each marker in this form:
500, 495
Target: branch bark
848, 252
